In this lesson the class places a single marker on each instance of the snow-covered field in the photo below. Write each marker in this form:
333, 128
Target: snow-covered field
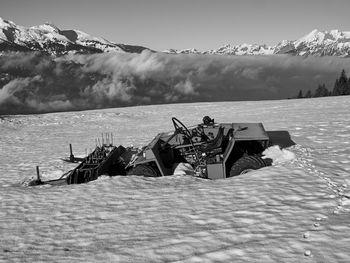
298, 210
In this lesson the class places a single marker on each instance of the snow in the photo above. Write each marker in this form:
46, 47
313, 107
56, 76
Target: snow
47, 27
44, 33
6, 23
278, 155
243, 49
323, 37
314, 34
294, 211
3, 37
82, 36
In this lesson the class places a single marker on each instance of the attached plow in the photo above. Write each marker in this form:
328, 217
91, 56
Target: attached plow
215, 150
103, 160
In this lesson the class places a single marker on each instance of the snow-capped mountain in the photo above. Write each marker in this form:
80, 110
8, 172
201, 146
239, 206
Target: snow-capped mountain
244, 49
50, 39
316, 43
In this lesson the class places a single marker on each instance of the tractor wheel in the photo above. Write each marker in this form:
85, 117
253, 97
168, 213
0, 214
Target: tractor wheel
144, 170
247, 164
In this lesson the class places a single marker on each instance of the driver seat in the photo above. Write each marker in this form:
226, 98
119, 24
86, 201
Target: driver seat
214, 144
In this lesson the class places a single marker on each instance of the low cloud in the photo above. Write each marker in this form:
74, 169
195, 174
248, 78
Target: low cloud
36, 83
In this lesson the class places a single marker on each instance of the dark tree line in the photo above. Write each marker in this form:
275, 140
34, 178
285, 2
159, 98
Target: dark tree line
341, 87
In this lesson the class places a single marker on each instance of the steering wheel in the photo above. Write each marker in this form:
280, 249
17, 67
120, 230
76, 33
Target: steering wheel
181, 128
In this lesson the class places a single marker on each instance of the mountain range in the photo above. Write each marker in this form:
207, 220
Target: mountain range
50, 39
316, 43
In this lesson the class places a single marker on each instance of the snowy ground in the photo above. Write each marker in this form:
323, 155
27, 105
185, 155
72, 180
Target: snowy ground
294, 211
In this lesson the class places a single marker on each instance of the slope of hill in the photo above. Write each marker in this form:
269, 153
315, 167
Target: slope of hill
294, 211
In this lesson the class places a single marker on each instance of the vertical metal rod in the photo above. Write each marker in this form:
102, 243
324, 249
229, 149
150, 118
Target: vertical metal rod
102, 139
71, 156
112, 137
38, 174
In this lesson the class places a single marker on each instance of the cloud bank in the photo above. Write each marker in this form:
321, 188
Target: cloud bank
36, 83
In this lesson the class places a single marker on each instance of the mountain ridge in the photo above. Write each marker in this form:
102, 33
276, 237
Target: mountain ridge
48, 38
315, 43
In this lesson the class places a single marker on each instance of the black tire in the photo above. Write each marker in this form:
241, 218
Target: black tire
246, 164
144, 170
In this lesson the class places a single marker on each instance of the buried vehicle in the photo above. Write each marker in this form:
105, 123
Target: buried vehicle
214, 150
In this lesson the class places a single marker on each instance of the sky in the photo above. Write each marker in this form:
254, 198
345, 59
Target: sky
180, 24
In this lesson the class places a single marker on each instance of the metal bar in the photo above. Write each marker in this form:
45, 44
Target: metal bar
38, 174
71, 156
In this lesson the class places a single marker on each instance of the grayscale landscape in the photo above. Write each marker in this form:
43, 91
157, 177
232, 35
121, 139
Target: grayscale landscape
73, 71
